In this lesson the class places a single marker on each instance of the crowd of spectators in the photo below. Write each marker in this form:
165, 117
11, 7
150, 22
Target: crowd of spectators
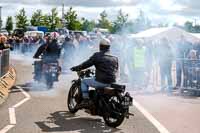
137, 57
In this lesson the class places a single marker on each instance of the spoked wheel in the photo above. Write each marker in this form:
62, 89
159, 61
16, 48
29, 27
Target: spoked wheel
116, 116
73, 98
50, 85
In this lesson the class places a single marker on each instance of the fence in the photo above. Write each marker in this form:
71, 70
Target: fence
189, 75
4, 61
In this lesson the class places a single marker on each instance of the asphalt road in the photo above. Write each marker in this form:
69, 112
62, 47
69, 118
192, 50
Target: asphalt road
47, 111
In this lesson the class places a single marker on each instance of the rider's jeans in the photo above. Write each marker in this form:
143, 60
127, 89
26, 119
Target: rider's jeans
90, 82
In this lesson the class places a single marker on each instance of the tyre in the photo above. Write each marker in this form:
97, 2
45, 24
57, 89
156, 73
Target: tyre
50, 84
49, 81
116, 117
73, 98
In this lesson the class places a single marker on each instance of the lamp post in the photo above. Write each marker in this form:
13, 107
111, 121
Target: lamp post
0, 18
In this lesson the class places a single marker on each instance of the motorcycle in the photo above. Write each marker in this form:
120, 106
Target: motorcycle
112, 103
46, 72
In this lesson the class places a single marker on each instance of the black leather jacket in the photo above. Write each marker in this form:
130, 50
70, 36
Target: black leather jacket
106, 66
52, 50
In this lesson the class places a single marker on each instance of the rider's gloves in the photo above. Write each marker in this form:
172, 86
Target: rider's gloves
74, 69
35, 57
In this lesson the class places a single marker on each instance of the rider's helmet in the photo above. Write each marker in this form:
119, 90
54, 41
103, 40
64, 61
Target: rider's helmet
104, 44
54, 35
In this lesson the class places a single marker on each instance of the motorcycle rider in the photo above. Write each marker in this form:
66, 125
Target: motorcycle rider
106, 70
51, 49
50, 52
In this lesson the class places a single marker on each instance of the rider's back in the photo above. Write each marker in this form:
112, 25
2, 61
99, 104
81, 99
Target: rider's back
106, 67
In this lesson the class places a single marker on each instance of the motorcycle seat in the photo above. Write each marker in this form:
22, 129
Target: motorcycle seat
112, 87
117, 86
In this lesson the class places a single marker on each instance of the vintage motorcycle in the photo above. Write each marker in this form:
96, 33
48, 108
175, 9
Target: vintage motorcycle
46, 72
112, 103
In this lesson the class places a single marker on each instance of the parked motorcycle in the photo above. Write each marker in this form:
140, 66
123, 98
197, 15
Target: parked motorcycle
46, 72
112, 103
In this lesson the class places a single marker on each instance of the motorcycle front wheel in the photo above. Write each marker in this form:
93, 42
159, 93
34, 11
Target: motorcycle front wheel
116, 116
49, 81
73, 98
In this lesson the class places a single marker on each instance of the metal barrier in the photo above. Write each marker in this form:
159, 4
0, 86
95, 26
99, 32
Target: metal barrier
4, 61
191, 70
7, 75
190, 76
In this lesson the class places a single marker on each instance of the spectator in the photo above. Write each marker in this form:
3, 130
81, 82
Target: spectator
182, 50
137, 65
165, 59
3, 43
69, 50
25, 45
190, 69
148, 59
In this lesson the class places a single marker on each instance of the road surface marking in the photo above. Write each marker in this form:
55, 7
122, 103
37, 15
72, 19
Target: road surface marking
155, 122
12, 115
24, 92
6, 128
21, 102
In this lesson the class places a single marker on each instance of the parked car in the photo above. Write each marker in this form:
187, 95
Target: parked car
62, 31
5, 32
34, 33
83, 33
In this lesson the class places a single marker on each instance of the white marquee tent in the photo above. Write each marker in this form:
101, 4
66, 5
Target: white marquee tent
173, 34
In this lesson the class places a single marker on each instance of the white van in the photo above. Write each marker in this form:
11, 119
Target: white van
34, 33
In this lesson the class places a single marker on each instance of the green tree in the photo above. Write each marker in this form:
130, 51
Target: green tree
88, 25
142, 22
37, 18
72, 22
104, 22
45, 21
53, 19
120, 22
21, 19
9, 24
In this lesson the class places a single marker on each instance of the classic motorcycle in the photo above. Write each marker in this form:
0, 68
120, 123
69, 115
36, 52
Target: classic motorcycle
112, 103
46, 72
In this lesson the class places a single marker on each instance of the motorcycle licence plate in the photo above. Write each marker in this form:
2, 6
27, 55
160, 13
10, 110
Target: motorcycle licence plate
128, 101
53, 69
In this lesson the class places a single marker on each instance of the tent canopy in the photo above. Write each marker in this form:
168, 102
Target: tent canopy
173, 34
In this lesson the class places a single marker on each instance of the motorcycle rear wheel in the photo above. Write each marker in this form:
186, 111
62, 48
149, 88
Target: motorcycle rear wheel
111, 121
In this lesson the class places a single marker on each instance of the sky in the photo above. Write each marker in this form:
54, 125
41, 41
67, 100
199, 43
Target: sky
158, 11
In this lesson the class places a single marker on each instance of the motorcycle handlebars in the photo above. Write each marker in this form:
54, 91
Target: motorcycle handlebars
85, 73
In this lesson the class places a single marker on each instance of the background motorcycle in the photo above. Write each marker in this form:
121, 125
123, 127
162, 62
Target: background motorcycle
112, 103
46, 72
